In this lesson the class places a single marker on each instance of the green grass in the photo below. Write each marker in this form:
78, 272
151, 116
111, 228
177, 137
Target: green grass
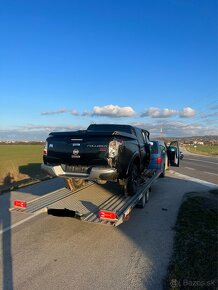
19, 162
195, 246
204, 149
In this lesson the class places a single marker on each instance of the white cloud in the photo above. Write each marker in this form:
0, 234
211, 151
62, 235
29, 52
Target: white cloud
169, 129
50, 128
214, 107
154, 112
61, 111
111, 111
74, 113
35, 132
176, 129
159, 113
187, 113
211, 115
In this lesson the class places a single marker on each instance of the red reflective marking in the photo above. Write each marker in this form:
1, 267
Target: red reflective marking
107, 215
20, 203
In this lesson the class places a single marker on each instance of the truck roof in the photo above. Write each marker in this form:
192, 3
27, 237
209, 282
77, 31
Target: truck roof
110, 127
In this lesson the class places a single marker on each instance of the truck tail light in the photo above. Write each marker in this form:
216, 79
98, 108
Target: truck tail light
114, 148
158, 160
45, 150
108, 215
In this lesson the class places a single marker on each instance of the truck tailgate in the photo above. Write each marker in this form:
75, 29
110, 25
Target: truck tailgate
73, 150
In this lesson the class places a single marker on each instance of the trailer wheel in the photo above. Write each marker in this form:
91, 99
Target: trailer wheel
132, 181
74, 183
142, 202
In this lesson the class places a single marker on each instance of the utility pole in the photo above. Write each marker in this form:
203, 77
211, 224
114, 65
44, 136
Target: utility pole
161, 131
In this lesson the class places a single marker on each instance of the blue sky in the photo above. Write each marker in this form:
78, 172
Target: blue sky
66, 64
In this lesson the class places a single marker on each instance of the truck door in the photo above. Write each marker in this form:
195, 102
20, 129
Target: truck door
173, 153
141, 144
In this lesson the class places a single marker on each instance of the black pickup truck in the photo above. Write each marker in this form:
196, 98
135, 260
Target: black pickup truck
103, 152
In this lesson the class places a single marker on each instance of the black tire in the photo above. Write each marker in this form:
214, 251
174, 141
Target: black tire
132, 180
142, 202
162, 175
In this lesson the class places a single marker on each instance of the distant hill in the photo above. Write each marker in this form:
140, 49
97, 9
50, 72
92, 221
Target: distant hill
210, 139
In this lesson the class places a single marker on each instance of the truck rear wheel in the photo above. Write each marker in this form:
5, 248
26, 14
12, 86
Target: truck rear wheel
74, 183
132, 181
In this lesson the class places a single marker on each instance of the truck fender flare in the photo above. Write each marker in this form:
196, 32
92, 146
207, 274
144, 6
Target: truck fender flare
132, 160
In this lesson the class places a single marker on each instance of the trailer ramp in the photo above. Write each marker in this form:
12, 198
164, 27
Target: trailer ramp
85, 204
109, 198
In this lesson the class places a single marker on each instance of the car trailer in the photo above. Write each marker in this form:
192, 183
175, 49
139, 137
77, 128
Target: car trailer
94, 203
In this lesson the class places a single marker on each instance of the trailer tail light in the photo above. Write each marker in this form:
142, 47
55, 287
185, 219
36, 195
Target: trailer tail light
108, 215
20, 203
158, 160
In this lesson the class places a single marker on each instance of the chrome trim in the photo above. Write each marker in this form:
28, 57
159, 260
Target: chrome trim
94, 173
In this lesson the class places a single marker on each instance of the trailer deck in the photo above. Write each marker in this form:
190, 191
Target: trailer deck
103, 204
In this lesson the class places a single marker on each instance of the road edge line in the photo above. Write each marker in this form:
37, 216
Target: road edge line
22, 221
186, 177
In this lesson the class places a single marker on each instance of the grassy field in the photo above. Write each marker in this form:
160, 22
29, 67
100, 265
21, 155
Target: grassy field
20, 162
194, 262
204, 149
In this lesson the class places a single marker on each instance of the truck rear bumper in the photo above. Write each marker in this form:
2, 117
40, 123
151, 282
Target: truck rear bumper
103, 173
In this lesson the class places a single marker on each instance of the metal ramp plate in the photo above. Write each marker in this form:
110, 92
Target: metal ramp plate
90, 200
44, 201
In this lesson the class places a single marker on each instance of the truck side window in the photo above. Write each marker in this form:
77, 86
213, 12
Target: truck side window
145, 137
163, 149
154, 148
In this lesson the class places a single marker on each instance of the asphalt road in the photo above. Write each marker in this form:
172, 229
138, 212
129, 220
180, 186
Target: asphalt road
47, 252
199, 166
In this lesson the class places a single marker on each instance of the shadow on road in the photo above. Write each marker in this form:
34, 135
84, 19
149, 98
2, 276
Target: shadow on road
6, 258
43, 187
6, 261
32, 170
